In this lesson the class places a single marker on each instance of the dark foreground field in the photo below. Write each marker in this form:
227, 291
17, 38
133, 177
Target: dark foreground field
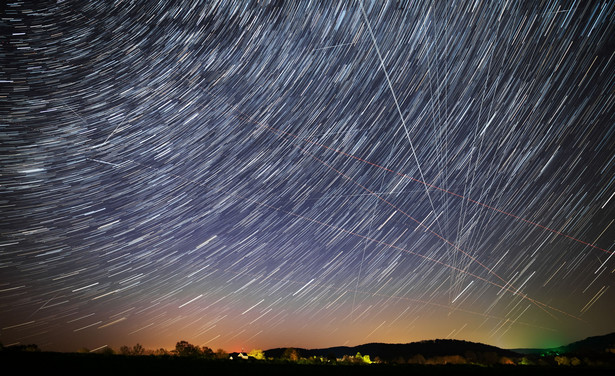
27, 363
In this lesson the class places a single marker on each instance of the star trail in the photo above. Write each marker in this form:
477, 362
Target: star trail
259, 174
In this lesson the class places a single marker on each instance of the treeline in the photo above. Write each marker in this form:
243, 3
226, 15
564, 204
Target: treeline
20, 348
182, 348
489, 358
185, 349
303, 356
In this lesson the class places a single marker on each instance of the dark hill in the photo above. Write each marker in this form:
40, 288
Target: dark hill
391, 352
590, 345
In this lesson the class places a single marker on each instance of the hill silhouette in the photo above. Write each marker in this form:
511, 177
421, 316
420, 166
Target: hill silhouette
591, 356
587, 346
393, 352
590, 345
472, 352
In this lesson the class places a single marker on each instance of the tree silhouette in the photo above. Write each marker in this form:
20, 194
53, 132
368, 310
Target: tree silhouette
138, 349
26, 348
221, 354
257, 354
161, 351
206, 352
135, 350
291, 354
183, 348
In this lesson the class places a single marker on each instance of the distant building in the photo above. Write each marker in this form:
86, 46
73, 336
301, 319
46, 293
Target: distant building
239, 355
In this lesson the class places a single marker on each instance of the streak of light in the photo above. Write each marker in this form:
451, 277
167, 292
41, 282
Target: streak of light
464, 290
542, 305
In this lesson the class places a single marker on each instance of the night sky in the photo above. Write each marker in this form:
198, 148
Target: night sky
243, 174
